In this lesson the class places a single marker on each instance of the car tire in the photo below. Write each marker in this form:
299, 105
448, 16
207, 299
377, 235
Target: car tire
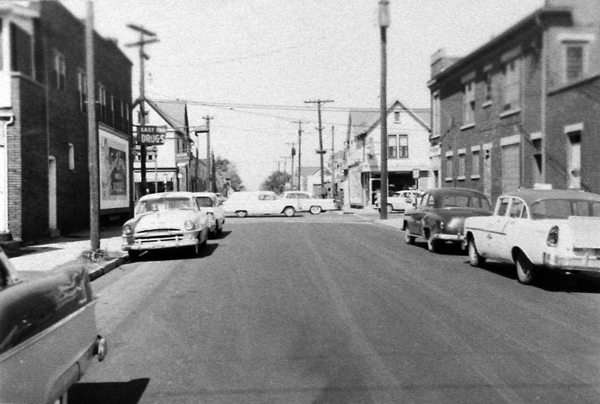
526, 271
433, 245
315, 210
241, 213
134, 255
408, 239
475, 259
289, 211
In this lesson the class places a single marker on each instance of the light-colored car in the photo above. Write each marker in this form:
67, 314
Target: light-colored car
48, 335
165, 220
310, 203
246, 203
539, 230
440, 215
401, 201
209, 203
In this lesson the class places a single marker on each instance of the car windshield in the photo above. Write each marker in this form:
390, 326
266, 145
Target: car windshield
163, 204
563, 208
465, 201
204, 202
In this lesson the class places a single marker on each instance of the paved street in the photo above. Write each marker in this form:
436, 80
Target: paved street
337, 309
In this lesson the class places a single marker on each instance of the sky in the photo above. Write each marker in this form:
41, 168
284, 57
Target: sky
253, 64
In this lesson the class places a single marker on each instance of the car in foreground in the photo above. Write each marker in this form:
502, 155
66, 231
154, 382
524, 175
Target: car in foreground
440, 216
209, 203
401, 201
538, 231
165, 220
246, 203
310, 203
48, 335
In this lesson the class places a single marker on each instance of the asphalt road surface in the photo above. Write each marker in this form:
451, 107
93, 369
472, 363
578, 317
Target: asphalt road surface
336, 309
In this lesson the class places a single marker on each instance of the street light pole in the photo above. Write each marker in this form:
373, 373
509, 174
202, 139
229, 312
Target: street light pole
384, 23
208, 118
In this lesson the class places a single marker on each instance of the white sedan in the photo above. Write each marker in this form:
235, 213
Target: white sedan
209, 203
251, 203
539, 230
310, 203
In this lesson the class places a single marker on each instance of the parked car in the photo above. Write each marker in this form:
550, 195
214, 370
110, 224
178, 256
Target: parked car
310, 203
246, 203
48, 335
209, 203
165, 220
539, 230
440, 215
401, 201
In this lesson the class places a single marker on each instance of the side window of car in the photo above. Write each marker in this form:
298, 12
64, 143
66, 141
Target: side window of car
424, 201
502, 206
516, 208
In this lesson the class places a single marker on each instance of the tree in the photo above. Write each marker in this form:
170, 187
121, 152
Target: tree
276, 182
226, 172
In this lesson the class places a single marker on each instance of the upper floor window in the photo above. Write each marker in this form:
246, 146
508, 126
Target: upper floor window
436, 114
469, 103
101, 102
21, 50
60, 71
397, 146
71, 157
397, 117
488, 86
82, 90
511, 89
575, 56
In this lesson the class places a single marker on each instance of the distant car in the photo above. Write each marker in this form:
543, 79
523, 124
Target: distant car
48, 335
246, 203
310, 203
165, 220
208, 202
539, 230
401, 201
440, 215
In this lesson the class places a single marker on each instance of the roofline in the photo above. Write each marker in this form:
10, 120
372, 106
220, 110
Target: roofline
532, 19
164, 116
389, 110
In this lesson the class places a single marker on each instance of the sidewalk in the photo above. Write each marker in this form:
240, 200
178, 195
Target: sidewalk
48, 254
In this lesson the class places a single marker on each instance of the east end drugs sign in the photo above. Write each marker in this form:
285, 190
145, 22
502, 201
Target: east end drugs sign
151, 135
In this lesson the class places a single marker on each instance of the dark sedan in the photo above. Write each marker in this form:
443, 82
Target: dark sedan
440, 215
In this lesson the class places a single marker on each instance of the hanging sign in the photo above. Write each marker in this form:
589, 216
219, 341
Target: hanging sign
151, 135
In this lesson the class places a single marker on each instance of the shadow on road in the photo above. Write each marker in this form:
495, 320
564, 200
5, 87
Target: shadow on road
108, 393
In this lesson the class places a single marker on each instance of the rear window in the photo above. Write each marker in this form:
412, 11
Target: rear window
563, 208
460, 201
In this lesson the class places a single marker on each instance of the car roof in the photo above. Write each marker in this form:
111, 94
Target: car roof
161, 195
533, 195
454, 191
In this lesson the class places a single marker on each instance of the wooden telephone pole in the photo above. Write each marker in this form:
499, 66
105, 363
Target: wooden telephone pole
94, 164
300, 152
321, 152
143, 57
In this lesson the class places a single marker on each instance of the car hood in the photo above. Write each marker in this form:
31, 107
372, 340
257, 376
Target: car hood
585, 231
168, 219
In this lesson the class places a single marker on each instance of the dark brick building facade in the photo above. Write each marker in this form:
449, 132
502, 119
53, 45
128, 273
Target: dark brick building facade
46, 151
523, 108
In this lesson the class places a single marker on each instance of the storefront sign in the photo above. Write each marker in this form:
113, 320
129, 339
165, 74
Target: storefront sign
151, 135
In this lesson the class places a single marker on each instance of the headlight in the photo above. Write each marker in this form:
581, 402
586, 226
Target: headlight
210, 216
127, 230
552, 239
188, 225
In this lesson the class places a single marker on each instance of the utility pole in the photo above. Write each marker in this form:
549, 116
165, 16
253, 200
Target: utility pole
92, 131
321, 152
332, 161
292, 174
208, 118
143, 56
384, 23
300, 153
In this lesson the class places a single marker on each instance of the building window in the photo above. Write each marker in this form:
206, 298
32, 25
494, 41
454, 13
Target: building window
461, 166
82, 90
488, 87
475, 164
21, 51
574, 160
60, 71
469, 103
397, 117
449, 168
575, 54
436, 114
403, 146
101, 102
71, 157
393, 146
512, 85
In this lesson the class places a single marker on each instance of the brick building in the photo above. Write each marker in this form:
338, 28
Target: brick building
44, 176
523, 108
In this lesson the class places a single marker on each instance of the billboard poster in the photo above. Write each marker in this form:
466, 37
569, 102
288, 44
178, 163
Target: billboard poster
114, 170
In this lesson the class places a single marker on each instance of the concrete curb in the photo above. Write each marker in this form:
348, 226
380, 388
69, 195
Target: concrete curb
107, 267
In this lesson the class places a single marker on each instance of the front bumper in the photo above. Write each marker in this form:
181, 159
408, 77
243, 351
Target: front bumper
154, 242
585, 263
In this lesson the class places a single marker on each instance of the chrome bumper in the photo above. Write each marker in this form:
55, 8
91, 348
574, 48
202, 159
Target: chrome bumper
585, 263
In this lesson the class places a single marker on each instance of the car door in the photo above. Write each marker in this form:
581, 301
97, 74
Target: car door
494, 236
